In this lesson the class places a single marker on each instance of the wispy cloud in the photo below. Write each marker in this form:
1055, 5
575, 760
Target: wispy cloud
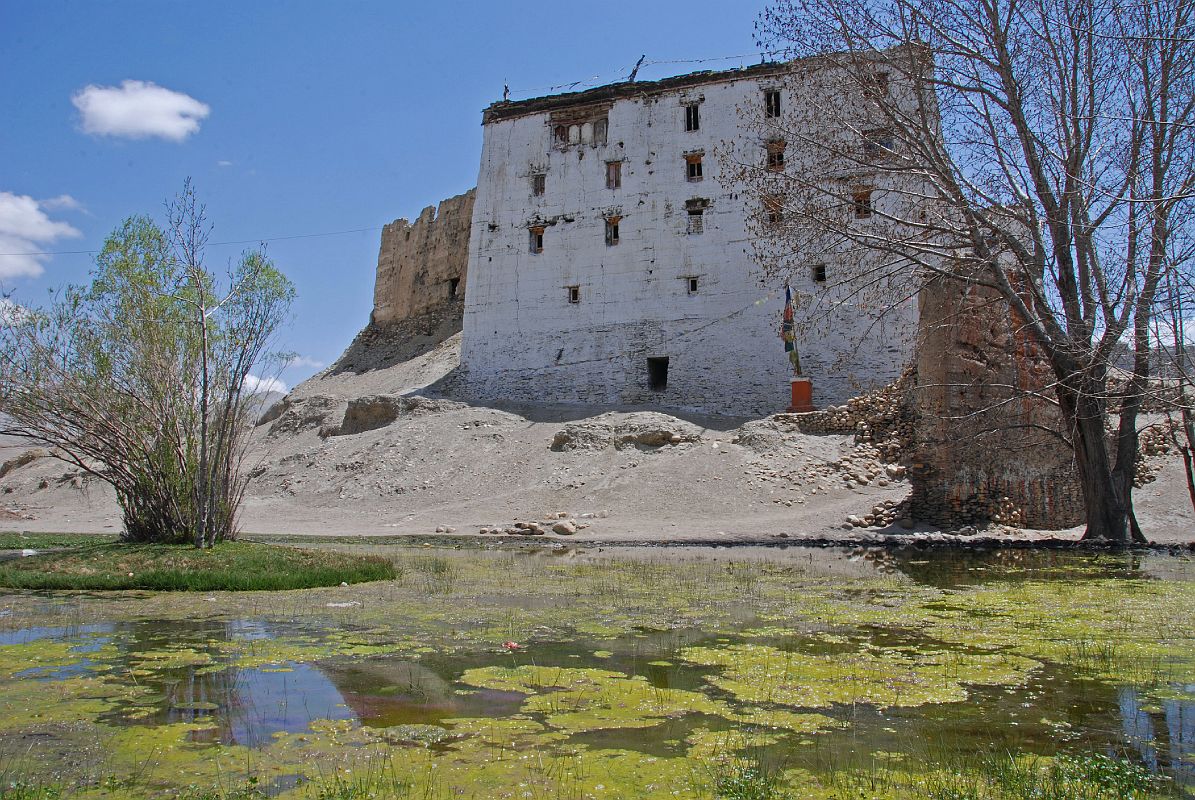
63, 202
26, 230
223, 163
300, 362
138, 110
256, 385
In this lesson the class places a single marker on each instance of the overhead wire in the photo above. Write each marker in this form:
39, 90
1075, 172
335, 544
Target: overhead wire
262, 240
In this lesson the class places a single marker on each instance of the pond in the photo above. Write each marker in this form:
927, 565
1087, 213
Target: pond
744, 673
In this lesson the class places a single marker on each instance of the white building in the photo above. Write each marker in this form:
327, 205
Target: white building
610, 258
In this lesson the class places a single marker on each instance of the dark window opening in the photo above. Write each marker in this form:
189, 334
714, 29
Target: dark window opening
612, 231
878, 86
537, 240
819, 273
879, 143
776, 156
613, 174
539, 184
454, 284
693, 166
691, 282
861, 203
657, 374
692, 117
574, 294
773, 206
771, 101
561, 134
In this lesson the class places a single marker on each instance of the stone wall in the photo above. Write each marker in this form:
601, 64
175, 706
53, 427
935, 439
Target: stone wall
984, 450
423, 264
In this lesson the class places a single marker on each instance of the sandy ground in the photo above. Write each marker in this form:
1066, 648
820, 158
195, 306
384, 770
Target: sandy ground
417, 465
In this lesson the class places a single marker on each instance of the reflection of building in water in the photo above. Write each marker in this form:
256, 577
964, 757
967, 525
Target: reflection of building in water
1139, 729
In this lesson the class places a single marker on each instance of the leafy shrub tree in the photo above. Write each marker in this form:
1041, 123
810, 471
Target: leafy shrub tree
140, 377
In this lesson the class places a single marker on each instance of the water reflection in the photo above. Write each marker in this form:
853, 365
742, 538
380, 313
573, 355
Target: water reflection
1178, 746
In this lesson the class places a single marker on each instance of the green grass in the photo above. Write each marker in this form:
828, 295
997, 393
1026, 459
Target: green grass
45, 541
231, 566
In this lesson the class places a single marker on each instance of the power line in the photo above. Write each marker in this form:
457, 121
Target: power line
209, 244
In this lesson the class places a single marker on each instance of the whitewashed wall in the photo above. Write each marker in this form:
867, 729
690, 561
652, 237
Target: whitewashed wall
524, 341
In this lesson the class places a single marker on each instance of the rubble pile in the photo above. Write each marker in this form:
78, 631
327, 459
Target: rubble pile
645, 430
561, 523
881, 419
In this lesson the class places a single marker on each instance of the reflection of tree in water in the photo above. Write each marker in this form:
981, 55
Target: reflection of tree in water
1139, 730
384, 692
958, 567
234, 704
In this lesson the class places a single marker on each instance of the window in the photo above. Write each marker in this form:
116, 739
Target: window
560, 134
693, 166
818, 272
878, 143
613, 174
771, 103
691, 284
696, 220
657, 374
537, 240
574, 294
539, 182
454, 284
601, 129
861, 203
692, 117
776, 155
773, 209
877, 86
612, 231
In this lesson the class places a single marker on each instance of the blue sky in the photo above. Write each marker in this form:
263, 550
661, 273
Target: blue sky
293, 118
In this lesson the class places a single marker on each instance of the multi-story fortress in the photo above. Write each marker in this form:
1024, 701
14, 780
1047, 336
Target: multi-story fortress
607, 257
610, 255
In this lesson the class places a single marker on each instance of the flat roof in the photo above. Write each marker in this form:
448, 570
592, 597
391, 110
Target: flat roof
509, 109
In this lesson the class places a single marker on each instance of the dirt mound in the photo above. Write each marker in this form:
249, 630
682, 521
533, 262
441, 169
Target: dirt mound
378, 411
27, 457
379, 347
295, 414
645, 430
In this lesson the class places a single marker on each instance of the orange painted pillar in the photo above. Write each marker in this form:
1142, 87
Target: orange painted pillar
802, 400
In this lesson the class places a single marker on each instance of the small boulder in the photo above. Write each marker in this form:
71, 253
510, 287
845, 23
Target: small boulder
565, 527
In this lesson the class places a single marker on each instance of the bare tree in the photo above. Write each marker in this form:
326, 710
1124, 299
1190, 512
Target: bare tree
139, 378
1041, 148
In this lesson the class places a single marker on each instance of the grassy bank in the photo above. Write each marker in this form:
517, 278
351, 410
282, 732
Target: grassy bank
232, 566
45, 541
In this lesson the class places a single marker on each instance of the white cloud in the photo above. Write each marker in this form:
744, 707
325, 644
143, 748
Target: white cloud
11, 313
138, 110
25, 231
305, 361
223, 163
256, 385
63, 202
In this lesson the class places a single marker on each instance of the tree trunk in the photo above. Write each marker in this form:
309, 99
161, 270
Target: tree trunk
1109, 517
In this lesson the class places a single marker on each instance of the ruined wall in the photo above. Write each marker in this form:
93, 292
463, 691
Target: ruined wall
424, 263
981, 451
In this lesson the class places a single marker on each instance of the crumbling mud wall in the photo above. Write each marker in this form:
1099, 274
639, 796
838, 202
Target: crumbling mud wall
423, 264
987, 448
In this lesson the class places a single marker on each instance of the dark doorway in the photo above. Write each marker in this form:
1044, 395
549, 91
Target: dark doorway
453, 285
657, 374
